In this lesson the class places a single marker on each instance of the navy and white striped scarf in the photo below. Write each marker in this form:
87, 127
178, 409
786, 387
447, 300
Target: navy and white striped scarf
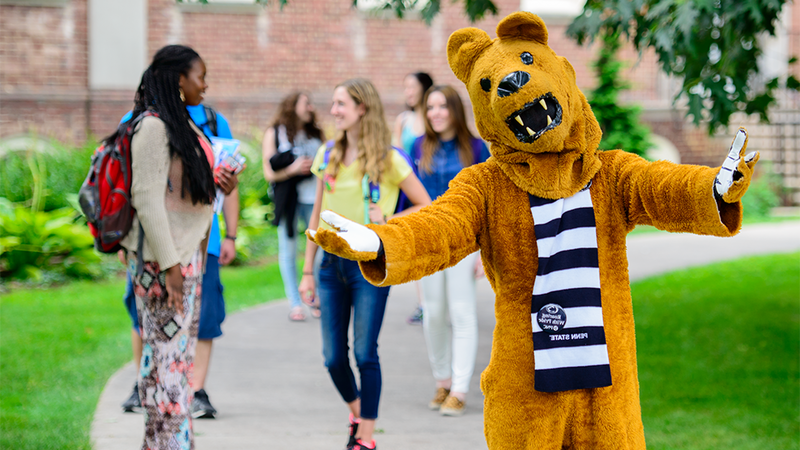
568, 354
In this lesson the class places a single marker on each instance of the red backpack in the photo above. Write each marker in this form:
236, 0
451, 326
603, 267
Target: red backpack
105, 196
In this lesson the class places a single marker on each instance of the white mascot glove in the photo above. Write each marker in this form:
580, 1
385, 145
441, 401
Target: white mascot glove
350, 240
737, 170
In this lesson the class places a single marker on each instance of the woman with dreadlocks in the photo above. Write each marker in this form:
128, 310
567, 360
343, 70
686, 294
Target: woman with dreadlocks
172, 189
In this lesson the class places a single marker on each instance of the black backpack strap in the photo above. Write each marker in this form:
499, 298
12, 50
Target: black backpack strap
211, 119
140, 252
140, 244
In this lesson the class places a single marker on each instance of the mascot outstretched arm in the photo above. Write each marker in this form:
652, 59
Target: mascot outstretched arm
550, 214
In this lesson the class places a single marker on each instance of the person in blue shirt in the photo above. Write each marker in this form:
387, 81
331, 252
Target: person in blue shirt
447, 147
408, 126
212, 307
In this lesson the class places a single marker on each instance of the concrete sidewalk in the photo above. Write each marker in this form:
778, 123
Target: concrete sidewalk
268, 382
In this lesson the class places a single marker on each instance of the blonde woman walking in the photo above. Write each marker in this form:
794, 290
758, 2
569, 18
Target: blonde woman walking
360, 158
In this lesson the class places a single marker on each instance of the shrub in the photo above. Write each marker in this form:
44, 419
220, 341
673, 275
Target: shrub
253, 188
763, 193
621, 126
60, 172
257, 238
33, 243
42, 237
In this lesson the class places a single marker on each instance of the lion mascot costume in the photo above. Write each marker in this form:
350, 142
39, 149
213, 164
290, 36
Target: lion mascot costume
550, 214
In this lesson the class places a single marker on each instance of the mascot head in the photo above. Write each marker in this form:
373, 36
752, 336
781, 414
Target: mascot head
527, 105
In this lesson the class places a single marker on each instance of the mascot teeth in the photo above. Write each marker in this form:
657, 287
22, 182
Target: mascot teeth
535, 118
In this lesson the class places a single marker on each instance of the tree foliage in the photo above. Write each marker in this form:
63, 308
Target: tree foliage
428, 9
712, 45
474, 9
620, 124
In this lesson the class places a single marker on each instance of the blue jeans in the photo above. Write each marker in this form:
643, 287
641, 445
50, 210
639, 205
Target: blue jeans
130, 303
212, 307
343, 289
287, 253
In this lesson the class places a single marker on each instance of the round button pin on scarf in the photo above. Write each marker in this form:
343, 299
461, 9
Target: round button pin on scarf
551, 318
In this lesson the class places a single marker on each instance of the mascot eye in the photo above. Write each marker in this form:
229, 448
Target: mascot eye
526, 58
486, 84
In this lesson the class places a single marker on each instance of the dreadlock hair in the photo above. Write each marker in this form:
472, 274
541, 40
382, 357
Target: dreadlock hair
287, 116
159, 91
374, 137
431, 144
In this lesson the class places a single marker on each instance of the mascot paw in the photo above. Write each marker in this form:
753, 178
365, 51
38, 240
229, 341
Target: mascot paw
350, 240
736, 172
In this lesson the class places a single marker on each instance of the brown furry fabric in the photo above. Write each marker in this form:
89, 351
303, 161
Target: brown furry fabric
484, 209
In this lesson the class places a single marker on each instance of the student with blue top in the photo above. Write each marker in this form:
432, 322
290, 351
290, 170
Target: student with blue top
409, 125
212, 309
450, 322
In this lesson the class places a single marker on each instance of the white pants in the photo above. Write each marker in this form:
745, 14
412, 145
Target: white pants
451, 290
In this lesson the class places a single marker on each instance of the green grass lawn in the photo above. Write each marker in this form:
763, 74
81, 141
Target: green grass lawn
719, 355
642, 229
58, 347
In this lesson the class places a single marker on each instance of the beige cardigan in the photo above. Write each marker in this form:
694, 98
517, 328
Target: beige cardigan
174, 228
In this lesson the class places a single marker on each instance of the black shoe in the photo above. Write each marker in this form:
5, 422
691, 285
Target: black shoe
133, 403
353, 430
201, 406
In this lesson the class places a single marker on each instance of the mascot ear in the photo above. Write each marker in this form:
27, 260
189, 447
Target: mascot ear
568, 67
463, 48
523, 25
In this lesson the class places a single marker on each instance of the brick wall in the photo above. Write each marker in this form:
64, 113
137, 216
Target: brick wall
258, 55
43, 56
254, 60
64, 120
44, 48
